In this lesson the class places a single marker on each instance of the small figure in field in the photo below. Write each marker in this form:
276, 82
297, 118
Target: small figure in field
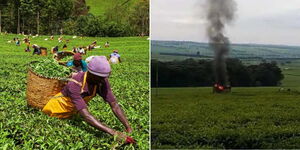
27, 47
65, 47
54, 49
81, 51
92, 46
75, 50
60, 39
36, 49
77, 63
52, 37
115, 58
106, 44
26, 40
18, 42
88, 59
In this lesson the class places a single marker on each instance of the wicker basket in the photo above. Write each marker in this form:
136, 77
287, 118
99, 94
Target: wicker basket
41, 89
43, 51
60, 55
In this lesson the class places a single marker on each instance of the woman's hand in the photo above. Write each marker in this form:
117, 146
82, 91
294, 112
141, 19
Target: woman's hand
124, 138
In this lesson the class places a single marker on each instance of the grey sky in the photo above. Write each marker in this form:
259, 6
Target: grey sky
257, 21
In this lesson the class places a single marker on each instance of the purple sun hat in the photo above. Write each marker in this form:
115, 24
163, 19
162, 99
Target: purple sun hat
99, 66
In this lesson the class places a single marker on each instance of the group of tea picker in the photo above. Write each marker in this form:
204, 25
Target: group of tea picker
78, 64
16, 41
114, 58
36, 48
89, 80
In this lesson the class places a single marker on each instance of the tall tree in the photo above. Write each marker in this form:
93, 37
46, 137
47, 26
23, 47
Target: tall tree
139, 17
80, 8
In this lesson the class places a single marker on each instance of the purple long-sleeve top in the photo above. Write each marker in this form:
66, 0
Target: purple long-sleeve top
73, 91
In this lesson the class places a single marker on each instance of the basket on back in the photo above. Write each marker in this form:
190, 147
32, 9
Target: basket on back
41, 89
43, 51
60, 55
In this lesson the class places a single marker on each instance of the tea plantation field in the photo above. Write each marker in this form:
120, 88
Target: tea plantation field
257, 117
260, 117
22, 127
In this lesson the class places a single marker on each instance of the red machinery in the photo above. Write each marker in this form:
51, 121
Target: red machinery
218, 88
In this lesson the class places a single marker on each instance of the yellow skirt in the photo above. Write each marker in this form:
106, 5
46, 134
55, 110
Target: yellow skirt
61, 106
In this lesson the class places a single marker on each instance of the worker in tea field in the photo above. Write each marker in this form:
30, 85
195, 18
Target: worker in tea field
106, 44
75, 50
92, 46
60, 39
114, 57
65, 46
27, 47
54, 49
77, 63
36, 49
18, 42
81, 51
89, 59
26, 40
81, 89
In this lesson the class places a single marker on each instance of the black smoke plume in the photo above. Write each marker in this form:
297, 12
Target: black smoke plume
219, 13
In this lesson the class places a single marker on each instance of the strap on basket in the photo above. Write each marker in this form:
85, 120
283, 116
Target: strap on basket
83, 84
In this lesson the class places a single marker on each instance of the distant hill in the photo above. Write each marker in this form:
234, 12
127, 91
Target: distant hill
183, 49
98, 7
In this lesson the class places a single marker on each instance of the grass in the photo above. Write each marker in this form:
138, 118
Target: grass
245, 118
22, 127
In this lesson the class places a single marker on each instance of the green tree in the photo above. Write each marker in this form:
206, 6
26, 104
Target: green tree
139, 18
80, 8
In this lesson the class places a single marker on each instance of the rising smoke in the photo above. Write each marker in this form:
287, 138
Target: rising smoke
219, 13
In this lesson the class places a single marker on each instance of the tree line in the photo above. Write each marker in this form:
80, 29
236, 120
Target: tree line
191, 72
53, 17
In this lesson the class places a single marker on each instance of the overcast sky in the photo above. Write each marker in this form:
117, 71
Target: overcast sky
256, 21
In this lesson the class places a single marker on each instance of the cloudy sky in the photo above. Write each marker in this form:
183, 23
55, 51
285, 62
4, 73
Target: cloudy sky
256, 21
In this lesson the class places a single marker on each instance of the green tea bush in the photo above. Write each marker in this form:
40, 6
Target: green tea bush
50, 68
246, 118
67, 58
